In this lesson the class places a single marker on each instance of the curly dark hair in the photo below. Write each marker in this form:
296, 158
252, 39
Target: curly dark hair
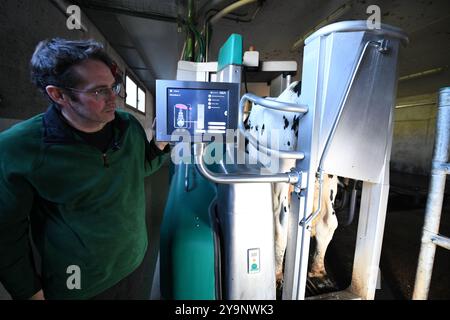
52, 61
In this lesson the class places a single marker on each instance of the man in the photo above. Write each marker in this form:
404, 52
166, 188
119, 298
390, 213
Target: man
75, 174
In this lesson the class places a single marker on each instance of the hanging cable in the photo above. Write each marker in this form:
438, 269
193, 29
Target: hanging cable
229, 9
212, 19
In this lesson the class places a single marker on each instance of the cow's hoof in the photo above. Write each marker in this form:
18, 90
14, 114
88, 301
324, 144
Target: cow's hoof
320, 285
279, 289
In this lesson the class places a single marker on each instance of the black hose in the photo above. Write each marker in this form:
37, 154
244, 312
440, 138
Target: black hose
351, 209
346, 206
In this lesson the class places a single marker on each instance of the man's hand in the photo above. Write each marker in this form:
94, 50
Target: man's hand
160, 144
38, 295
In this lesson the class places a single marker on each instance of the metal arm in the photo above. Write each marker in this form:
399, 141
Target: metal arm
275, 105
288, 177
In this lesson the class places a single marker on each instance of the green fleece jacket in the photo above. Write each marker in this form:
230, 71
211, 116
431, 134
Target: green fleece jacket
86, 208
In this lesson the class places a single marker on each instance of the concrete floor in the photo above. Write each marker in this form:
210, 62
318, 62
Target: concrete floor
401, 244
401, 247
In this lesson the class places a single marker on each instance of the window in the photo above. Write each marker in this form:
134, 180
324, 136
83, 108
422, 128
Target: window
141, 100
135, 95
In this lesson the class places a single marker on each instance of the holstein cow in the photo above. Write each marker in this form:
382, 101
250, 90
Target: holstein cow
262, 123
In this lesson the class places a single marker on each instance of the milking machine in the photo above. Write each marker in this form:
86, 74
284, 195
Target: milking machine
217, 237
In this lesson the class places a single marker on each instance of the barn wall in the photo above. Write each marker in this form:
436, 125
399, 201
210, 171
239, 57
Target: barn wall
414, 130
23, 24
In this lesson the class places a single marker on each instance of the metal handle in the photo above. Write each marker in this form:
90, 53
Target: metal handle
275, 105
288, 177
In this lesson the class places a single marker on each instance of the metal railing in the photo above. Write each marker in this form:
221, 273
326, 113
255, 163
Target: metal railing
292, 177
274, 105
439, 170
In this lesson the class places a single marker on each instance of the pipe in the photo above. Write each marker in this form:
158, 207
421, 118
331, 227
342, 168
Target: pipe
189, 53
292, 177
422, 74
306, 221
351, 209
430, 236
333, 16
345, 202
221, 14
208, 5
145, 15
359, 26
413, 105
275, 105
229, 9
441, 241
288, 177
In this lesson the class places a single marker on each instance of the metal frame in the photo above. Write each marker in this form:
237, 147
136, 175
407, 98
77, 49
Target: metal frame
274, 105
374, 197
359, 25
440, 168
315, 147
375, 190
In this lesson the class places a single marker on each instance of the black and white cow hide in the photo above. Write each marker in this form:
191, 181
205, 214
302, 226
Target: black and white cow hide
267, 124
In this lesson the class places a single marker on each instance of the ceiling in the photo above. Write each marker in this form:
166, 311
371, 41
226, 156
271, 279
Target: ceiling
150, 34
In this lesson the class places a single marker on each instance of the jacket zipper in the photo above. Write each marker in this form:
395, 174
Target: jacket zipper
105, 160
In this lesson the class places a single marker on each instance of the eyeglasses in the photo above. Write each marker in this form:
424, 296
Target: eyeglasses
101, 93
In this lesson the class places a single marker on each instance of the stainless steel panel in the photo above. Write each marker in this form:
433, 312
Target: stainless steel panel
349, 87
358, 146
246, 221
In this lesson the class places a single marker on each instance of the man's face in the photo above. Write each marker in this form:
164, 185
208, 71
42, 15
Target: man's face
93, 74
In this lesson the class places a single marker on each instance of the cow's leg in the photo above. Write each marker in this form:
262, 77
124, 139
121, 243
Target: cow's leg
323, 227
281, 213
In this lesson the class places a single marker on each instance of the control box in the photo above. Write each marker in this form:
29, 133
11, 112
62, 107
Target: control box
253, 260
195, 107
